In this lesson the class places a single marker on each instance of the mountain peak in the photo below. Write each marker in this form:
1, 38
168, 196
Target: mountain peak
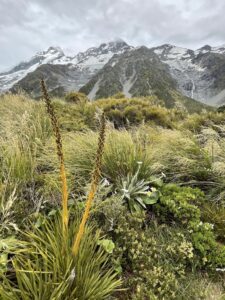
206, 48
118, 41
114, 46
51, 50
55, 49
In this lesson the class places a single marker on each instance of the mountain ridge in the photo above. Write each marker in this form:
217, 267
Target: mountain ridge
198, 74
56, 56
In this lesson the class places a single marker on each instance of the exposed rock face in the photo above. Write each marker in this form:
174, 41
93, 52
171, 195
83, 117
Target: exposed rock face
138, 72
199, 74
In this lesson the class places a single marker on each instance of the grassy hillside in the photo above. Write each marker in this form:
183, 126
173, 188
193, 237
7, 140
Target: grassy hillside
156, 226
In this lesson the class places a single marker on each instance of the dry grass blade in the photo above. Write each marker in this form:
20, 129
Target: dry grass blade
55, 125
94, 184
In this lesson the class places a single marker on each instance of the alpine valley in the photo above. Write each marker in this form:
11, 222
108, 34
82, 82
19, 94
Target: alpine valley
167, 71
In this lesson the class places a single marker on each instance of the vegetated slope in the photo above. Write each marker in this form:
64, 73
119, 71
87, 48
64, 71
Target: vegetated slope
162, 236
74, 71
138, 72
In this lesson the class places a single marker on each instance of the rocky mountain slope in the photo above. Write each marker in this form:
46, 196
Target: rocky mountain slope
63, 73
138, 72
199, 74
51, 56
116, 66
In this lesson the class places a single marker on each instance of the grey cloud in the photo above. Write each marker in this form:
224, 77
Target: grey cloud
28, 26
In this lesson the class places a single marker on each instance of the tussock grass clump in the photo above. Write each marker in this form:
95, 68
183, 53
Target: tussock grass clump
195, 122
53, 268
180, 156
76, 97
123, 150
24, 130
46, 271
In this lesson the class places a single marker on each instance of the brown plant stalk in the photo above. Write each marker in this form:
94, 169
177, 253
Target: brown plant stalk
94, 184
58, 139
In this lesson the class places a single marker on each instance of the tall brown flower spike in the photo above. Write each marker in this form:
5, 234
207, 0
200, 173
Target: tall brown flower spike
58, 139
94, 184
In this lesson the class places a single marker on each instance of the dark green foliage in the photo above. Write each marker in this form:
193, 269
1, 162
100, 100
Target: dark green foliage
76, 97
154, 259
138, 252
181, 205
109, 86
86, 89
221, 108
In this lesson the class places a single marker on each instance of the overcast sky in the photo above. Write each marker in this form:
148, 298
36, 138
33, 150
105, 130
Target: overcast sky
28, 26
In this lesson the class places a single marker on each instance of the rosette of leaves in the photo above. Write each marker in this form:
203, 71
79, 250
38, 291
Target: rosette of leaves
139, 193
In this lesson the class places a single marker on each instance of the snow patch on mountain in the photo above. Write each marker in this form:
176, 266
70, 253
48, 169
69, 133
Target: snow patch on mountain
8, 79
88, 62
187, 71
207, 49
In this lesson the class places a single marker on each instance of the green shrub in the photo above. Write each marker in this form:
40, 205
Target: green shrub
76, 97
181, 205
125, 112
138, 253
154, 259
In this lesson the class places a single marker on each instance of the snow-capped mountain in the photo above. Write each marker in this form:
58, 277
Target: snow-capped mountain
89, 62
95, 58
197, 74
54, 55
139, 72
